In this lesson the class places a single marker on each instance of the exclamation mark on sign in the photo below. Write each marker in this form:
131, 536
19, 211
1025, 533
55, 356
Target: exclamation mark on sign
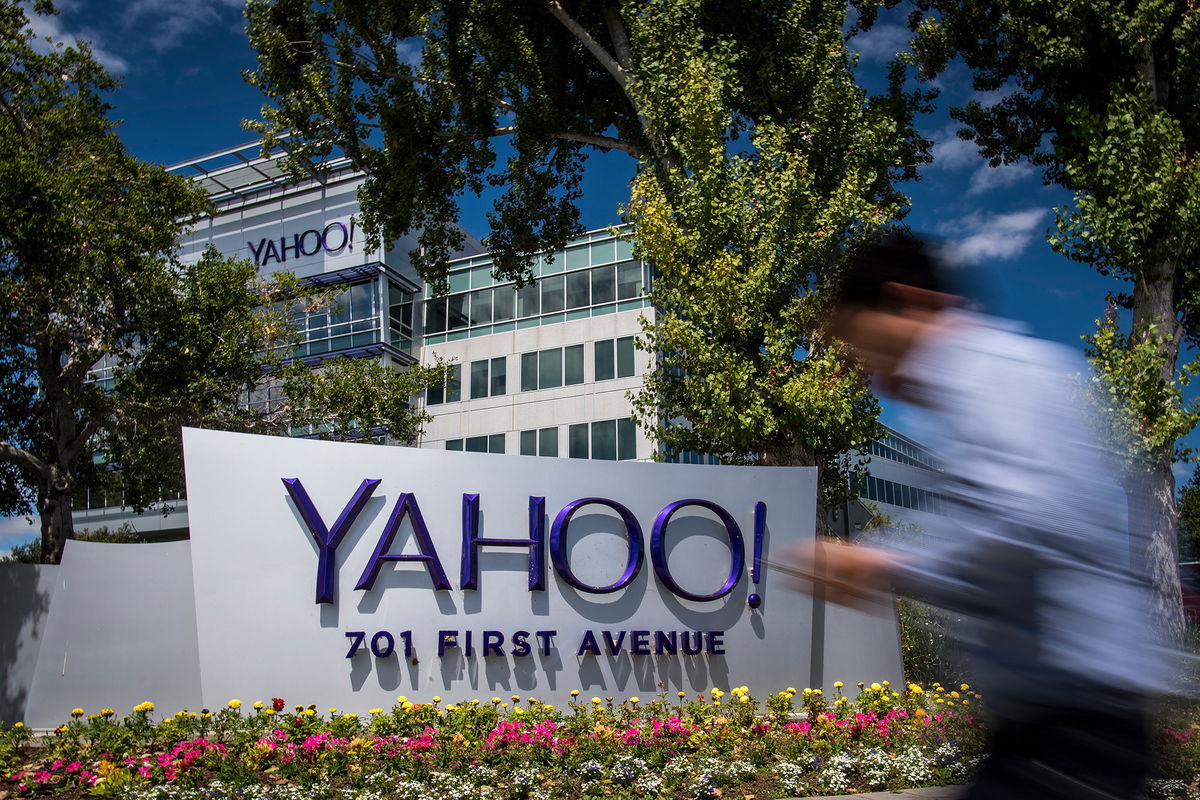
760, 523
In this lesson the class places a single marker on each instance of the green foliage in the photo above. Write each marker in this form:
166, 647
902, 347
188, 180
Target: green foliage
109, 343
929, 648
357, 398
1144, 412
1105, 97
746, 236
31, 552
439, 82
1189, 519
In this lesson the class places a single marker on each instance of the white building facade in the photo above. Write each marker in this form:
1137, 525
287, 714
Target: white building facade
545, 370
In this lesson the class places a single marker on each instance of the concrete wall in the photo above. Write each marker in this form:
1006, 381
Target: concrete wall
121, 629
25, 594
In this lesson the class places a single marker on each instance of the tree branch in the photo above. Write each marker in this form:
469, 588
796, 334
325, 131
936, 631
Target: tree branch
595, 48
73, 449
23, 459
607, 142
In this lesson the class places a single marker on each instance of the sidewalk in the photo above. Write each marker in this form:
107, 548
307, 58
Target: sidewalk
934, 793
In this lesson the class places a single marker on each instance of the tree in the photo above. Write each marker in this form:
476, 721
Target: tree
759, 163
1105, 97
747, 238
108, 342
416, 92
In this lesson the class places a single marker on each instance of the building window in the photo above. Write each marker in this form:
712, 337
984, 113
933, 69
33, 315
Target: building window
549, 369
478, 444
400, 318
604, 440
898, 494
543, 442
614, 358
450, 392
489, 377
351, 320
577, 441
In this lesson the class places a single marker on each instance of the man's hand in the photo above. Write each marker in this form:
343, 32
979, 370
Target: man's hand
851, 575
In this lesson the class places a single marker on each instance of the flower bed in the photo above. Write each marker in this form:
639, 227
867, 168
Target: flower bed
711, 745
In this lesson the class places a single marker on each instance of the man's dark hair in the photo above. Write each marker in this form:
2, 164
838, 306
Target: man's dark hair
902, 258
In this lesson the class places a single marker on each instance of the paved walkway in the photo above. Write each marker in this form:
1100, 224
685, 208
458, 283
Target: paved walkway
935, 793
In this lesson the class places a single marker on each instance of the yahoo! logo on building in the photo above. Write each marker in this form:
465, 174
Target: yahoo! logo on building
329, 537
333, 238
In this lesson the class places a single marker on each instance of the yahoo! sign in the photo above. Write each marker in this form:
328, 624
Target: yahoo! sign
470, 574
333, 238
407, 507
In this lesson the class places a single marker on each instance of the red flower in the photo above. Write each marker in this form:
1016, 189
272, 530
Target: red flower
278, 704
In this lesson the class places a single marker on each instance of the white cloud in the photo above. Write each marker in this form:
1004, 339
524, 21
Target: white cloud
51, 27
951, 152
997, 237
987, 178
882, 42
165, 23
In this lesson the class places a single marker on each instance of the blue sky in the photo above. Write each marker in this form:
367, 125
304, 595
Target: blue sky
184, 97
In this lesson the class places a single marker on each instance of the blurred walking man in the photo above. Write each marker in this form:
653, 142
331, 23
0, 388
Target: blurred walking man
1036, 557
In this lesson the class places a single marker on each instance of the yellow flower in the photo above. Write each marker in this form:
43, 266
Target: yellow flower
348, 715
965, 686
258, 704
596, 701
634, 700
518, 710
516, 698
716, 702
495, 701
949, 702
308, 712
954, 695
504, 705
401, 699
168, 719
268, 712
838, 684
333, 711
235, 704
861, 684
875, 687
682, 694
18, 724
744, 699
452, 707
408, 706
437, 699
547, 707
791, 690
78, 712
885, 683
575, 693
374, 711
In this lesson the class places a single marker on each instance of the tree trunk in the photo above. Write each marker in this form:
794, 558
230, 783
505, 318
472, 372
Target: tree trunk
1153, 526
58, 524
1151, 490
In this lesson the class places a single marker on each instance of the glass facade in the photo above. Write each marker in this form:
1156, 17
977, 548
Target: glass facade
898, 494
596, 276
355, 319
